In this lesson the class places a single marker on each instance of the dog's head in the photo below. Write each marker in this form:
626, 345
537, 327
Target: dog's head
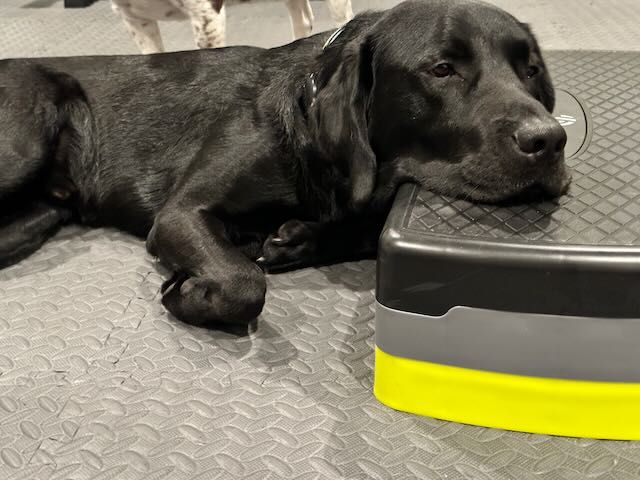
452, 94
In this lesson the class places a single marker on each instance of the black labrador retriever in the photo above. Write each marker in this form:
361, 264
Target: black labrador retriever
240, 160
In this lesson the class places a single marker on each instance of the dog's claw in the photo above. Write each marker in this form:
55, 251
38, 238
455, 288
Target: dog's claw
262, 263
176, 279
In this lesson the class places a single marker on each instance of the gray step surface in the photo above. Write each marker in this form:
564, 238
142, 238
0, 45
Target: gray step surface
98, 382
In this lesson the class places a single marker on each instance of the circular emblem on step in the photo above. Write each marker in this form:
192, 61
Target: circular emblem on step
571, 114
566, 120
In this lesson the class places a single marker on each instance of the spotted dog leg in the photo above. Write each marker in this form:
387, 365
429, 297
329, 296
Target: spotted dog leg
341, 11
208, 20
144, 32
301, 16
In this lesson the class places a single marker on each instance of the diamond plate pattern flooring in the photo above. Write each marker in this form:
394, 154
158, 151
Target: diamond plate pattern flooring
97, 382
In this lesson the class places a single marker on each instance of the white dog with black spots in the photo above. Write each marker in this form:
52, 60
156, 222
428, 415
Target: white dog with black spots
208, 19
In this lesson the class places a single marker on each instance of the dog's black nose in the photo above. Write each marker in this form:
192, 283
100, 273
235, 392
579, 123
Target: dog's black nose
543, 140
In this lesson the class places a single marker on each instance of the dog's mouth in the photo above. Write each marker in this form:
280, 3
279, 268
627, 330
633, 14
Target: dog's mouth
533, 193
506, 191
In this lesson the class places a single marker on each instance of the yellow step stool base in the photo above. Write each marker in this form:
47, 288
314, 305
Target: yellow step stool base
575, 408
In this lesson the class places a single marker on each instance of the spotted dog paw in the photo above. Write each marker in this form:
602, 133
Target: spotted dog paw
292, 246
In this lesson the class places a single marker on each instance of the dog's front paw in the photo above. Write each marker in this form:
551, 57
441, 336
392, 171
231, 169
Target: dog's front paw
293, 246
206, 302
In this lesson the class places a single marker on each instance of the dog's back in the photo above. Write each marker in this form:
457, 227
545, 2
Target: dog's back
99, 117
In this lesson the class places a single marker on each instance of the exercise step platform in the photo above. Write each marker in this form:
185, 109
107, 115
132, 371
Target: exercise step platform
526, 317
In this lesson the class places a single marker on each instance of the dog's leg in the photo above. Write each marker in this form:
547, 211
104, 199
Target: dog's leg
23, 232
299, 244
214, 283
208, 20
301, 16
144, 32
341, 11
40, 111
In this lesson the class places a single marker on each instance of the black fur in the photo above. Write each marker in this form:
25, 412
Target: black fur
223, 157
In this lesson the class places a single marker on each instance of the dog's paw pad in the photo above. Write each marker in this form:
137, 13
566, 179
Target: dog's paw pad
292, 245
291, 233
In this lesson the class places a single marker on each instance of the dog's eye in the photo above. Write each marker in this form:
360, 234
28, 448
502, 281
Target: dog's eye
443, 70
532, 71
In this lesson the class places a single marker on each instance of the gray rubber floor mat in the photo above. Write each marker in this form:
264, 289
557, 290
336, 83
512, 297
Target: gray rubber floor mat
97, 382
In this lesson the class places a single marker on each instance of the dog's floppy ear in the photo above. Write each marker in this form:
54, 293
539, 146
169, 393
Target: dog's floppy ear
340, 115
545, 92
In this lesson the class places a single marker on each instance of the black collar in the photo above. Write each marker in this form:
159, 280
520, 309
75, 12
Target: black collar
310, 87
